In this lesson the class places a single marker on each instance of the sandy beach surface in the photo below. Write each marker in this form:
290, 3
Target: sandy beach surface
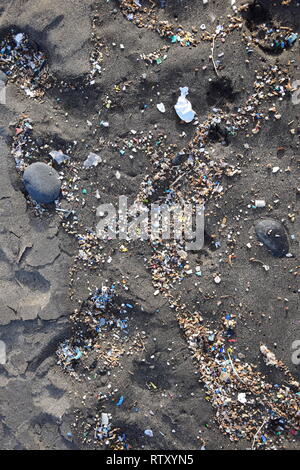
145, 344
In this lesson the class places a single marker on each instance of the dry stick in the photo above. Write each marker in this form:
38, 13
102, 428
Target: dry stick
180, 176
234, 369
212, 55
254, 439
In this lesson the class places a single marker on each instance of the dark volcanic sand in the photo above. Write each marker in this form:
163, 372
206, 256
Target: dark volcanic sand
39, 402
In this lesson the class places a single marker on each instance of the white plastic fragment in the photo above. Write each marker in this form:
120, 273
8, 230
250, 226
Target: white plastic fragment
183, 106
29, 92
104, 419
260, 203
59, 156
161, 107
148, 432
242, 398
92, 160
19, 38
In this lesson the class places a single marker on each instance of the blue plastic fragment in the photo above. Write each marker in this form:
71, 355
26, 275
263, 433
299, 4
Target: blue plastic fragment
121, 399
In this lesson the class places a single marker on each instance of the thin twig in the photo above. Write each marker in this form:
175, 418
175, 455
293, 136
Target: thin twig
180, 176
254, 439
234, 369
212, 56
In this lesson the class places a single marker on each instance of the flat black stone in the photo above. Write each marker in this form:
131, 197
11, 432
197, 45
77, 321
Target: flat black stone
273, 235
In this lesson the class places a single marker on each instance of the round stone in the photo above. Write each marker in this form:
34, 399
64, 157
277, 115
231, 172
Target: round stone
273, 235
42, 182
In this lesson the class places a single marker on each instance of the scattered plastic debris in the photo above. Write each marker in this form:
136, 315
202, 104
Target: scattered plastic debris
59, 156
24, 64
92, 160
68, 354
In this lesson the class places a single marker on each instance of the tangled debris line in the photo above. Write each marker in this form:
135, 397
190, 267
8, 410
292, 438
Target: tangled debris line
147, 17
243, 399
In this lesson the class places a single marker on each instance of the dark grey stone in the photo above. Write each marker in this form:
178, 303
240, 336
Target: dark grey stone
3, 77
273, 235
42, 182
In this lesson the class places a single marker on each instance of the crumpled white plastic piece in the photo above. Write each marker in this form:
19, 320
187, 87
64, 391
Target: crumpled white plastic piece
19, 38
92, 160
161, 107
242, 398
104, 419
183, 106
59, 156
